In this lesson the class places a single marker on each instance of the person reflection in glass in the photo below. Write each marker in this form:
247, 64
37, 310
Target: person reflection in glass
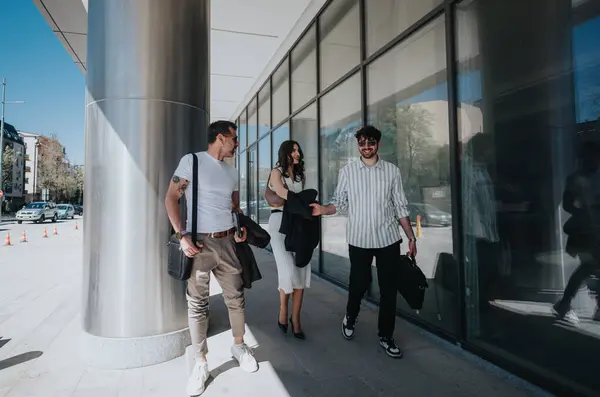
581, 199
480, 225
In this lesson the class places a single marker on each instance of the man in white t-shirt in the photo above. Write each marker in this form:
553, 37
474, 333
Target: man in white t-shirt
215, 250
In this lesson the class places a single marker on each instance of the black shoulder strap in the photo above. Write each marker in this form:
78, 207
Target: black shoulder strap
195, 199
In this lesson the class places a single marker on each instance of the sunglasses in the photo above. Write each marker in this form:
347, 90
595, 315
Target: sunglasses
367, 142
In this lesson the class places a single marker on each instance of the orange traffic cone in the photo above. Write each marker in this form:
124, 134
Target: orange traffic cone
55, 231
24, 237
76, 226
45, 233
7, 241
419, 233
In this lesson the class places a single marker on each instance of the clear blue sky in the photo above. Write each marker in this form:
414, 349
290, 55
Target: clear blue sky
40, 71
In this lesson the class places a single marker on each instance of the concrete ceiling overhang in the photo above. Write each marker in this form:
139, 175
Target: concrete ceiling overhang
254, 35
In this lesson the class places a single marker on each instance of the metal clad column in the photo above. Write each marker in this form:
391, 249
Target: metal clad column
146, 105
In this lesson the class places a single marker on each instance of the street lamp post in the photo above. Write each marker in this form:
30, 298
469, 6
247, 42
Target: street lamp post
4, 102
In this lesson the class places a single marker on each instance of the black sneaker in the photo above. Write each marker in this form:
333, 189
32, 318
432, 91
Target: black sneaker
348, 327
390, 347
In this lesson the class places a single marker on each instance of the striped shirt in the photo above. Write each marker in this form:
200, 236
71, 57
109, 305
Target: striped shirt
374, 200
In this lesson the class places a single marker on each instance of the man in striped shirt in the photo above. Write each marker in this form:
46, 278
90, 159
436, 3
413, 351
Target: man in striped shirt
371, 192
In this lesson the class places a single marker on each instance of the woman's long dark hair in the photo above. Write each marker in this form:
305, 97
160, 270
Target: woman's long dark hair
285, 160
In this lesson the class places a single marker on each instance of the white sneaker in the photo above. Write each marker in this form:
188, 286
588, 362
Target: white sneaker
348, 327
245, 356
198, 379
572, 318
569, 316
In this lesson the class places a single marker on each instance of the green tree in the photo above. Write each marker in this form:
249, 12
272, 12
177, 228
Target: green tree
9, 159
65, 184
79, 182
72, 184
407, 142
51, 171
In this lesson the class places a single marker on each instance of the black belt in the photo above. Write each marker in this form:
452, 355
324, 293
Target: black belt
274, 211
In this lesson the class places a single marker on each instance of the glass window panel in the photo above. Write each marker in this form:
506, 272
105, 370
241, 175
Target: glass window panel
340, 119
305, 131
281, 92
528, 129
280, 135
386, 19
264, 110
339, 41
253, 183
243, 184
252, 122
304, 70
408, 102
264, 169
243, 130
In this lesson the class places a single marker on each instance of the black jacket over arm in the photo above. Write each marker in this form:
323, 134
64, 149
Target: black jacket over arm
301, 229
256, 236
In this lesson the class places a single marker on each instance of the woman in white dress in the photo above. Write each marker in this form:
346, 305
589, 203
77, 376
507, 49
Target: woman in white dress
288, 176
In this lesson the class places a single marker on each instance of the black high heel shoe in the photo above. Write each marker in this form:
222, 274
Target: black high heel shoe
297, 335
282, 327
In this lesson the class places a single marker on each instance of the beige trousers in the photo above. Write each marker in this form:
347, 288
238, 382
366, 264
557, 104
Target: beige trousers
217, 256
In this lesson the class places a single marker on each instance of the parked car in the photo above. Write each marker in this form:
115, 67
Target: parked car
38, 212
66, 211
430, 215
78, 210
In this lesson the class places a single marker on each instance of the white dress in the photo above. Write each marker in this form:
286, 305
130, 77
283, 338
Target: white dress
290, 276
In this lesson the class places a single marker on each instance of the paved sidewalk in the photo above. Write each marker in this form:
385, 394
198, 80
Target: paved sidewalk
40, 325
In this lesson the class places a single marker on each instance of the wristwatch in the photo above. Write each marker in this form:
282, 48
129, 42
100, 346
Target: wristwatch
179, 235
414, 240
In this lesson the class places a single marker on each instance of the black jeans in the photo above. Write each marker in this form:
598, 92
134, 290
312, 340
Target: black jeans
388, 259
586, 269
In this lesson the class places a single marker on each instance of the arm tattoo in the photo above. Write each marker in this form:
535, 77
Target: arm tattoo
182, 188
181, 185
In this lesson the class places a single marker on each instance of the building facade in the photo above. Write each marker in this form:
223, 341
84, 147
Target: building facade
35, 146
31, 140
13, 171
485, 113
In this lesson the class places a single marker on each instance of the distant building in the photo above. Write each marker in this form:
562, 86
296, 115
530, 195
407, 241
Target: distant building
32, 192
34, 148
14, 189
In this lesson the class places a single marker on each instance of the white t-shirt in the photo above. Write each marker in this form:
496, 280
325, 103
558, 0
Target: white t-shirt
217, 181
